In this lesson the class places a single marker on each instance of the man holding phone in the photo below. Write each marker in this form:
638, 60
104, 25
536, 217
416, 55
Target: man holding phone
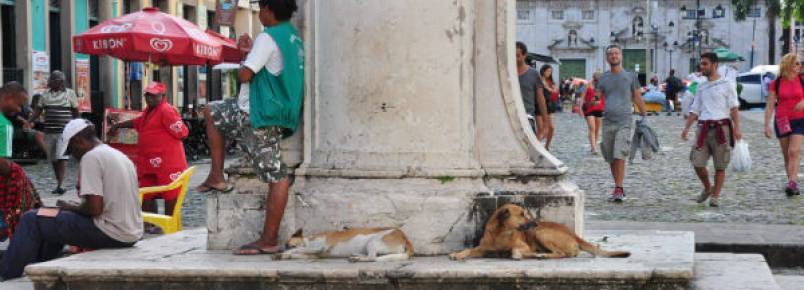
108, 215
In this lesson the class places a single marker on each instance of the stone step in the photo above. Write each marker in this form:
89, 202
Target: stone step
721, 271
789, 282
17, 284
660, 260
782, 245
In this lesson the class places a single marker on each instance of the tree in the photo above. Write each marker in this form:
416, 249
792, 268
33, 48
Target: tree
786, 9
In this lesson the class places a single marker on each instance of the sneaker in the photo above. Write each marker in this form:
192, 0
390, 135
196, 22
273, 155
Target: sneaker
703, 196
58, 191
714, 201
617, 195
792, 189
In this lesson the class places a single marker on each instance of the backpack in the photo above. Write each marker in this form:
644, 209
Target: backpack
777, 83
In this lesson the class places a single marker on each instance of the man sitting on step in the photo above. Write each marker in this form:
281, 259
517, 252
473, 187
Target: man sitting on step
108, 216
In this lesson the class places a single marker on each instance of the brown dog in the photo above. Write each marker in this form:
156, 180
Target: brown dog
502, 234
554, 241
510, 229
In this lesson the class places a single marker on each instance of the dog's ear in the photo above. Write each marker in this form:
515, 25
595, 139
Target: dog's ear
502, 216
297, 234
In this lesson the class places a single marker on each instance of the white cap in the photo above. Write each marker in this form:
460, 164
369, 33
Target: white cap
72, 128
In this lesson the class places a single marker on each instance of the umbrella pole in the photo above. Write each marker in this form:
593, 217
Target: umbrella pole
127, 84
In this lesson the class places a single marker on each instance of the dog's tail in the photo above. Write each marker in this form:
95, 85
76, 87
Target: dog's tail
595, 250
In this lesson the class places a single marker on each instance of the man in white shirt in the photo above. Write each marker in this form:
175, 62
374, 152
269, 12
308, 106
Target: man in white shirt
715, 108
108, 216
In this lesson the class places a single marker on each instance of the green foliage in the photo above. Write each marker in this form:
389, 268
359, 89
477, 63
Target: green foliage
445, 178
785, 9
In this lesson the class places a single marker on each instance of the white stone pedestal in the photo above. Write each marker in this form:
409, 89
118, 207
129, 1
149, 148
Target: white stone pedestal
412, 118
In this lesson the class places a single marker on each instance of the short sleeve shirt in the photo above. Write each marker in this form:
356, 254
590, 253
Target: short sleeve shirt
619, 91
264, 54
6, 136
108, 173
714, 100
65, 98
529, 83
790, 93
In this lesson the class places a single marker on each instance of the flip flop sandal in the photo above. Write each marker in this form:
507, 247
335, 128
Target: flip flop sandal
252, 249
207, 188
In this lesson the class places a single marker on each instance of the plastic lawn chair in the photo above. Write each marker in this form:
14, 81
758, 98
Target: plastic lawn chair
168, 224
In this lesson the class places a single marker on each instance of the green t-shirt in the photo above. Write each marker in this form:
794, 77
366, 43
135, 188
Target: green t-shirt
6, 136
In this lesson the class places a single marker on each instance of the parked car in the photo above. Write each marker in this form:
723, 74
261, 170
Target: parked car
751, 83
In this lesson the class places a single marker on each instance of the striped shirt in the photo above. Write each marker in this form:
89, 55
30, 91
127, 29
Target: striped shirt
58, 106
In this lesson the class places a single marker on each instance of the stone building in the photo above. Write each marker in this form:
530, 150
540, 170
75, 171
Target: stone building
656, 35
46, 28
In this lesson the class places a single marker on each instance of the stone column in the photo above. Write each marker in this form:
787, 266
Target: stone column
107, 67
22, 21
413, 119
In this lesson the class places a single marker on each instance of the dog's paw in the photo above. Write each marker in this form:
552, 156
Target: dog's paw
277, 257
540, 256
456, 257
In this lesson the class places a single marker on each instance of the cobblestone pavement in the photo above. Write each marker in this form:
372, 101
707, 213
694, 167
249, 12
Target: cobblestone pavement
664, 188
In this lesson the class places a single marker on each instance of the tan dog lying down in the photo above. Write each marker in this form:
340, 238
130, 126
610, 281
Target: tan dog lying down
359, 245
510, 229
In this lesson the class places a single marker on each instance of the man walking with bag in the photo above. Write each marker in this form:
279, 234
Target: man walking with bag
715, 108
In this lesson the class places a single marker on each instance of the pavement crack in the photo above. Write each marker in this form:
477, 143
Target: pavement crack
442, 238
180, 253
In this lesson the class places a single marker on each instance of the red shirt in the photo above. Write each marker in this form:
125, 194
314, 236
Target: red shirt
790, 94
161, 132
589, 97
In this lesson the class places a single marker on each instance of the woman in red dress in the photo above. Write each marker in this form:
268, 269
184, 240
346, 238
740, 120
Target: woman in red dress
161, 154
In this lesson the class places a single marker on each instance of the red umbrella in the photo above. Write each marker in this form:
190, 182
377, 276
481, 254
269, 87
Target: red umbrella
231, 53
150, 35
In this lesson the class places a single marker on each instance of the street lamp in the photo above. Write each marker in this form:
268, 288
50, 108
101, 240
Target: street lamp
669, 49
753, 34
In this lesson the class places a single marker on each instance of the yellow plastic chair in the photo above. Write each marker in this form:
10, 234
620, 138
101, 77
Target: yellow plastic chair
168, 224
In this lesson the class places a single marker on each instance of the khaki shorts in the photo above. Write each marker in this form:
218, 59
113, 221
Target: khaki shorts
261, 145
615, 141
52, 143
720, 153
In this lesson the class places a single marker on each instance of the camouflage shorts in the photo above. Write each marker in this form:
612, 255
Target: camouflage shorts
261, 145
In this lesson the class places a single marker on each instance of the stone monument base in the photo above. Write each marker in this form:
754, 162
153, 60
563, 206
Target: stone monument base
439, 215
659, 260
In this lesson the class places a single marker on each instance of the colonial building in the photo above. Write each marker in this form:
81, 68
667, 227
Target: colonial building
656, 35
36, 32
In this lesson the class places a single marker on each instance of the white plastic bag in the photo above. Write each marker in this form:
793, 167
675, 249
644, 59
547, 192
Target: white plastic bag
740, 157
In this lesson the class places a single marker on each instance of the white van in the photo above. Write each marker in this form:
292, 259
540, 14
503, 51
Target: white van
751, 94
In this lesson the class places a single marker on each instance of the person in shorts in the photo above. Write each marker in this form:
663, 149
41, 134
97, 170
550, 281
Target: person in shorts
59, 105
789, 111
622, 90
715, 108
592, 109
267, 109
